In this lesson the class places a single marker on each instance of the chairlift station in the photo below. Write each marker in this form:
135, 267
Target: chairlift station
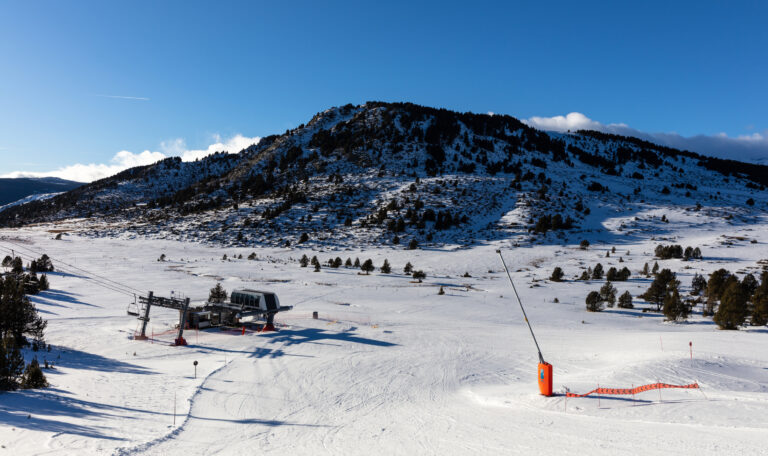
245, 307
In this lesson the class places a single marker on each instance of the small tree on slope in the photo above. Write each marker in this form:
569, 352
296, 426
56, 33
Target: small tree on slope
674, 308
594, 304
658, 289
625, 301
608, 294
760, 302
732, 311
218, 294
367, 266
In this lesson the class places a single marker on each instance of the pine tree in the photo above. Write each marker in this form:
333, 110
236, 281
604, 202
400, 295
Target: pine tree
760, 306
303, 238
760, 302
717, 283
732, 311
658, 289
594, 304
441, 292
625, 301
348, 263
584, 245
557, 274
7, 261
419, 275
367, 266
11, 364
623, 274
597, 273
357, 262
217, 294
645, 270
33, 376
413, 245
44, 264
386, 268
304, 261
31, 283
608, 294
408, 268
317, 267
314, 261
43, 283
655, 268
698, 284
674, 308
749, 283
18, 316
584, 275
612, 274
337, 262
17, 267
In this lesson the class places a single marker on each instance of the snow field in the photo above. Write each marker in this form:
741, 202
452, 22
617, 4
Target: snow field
390, 367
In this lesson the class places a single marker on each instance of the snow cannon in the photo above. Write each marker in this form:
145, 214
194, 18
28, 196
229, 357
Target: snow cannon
545, 369
545, 378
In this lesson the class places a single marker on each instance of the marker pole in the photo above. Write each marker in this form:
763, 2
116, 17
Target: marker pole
690, 346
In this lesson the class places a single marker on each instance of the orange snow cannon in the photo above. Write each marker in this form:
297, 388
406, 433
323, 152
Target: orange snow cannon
545, 369
545, 379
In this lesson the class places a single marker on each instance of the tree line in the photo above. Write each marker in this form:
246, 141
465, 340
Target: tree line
366, 266
20, 322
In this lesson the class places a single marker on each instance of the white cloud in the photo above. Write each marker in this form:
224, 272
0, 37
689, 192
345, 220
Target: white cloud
235, 144
126, 159
572, 121
751, 148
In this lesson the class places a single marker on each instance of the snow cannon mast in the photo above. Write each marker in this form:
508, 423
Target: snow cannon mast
544, 368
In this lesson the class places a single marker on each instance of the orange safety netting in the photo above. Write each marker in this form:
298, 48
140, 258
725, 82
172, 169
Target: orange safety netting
636, 390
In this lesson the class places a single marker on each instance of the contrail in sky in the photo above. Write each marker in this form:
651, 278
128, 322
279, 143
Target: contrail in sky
124, 98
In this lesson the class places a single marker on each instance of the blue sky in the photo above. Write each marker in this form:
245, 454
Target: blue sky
202, 73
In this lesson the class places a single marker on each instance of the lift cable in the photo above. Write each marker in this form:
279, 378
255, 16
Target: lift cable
119, 288
127, 287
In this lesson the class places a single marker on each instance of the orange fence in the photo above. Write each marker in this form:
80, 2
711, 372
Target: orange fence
636, 390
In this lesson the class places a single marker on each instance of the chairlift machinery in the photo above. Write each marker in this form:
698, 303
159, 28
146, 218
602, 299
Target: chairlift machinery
245, 306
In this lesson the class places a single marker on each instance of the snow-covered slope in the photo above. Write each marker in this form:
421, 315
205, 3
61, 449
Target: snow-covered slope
15, 189
27, 199
391, 366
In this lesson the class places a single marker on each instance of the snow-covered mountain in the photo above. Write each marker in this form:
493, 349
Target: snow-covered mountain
16, 189
398, 173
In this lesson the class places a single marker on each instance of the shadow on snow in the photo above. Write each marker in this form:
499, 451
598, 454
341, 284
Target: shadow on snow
76, 359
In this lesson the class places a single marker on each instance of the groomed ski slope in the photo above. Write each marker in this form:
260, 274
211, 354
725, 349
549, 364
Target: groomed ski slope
391, 367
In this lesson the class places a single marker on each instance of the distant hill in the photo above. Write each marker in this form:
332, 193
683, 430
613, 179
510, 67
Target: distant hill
407, 175
14, 189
